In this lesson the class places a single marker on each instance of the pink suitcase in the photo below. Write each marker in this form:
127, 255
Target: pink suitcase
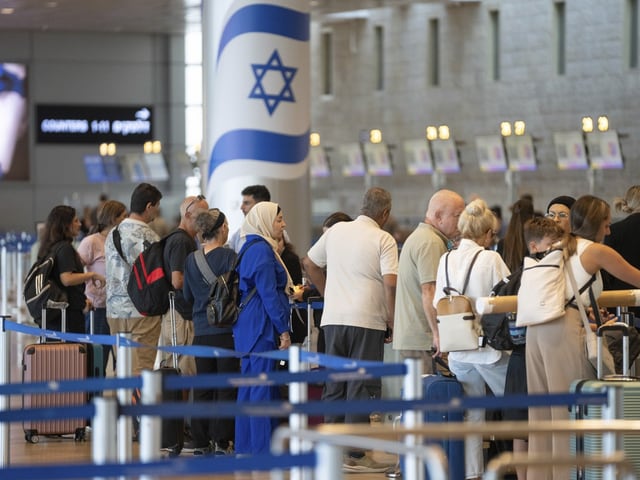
43, 362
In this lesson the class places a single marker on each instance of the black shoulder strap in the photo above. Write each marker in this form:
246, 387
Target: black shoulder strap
243, 250
581, 290
448, 289
466, 280
117, 242
203, 266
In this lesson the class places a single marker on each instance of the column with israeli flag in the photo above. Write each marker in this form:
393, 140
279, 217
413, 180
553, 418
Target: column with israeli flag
257, 107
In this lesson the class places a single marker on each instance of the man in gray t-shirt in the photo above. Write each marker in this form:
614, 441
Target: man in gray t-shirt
415, 323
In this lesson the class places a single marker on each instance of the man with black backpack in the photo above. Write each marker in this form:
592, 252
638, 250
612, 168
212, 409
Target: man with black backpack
134, 233
179, 244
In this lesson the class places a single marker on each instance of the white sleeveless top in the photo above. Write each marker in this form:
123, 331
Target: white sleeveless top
581, 275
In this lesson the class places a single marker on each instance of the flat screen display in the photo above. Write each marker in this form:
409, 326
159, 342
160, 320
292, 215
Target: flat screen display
156, 167
14, 135
445, 156
570, 151
378, 159
418, 157
604, 150
490, 152
319, 163
520, 153
102, 169
352, 160
94, 124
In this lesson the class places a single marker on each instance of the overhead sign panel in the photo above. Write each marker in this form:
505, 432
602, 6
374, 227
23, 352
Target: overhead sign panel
93, 124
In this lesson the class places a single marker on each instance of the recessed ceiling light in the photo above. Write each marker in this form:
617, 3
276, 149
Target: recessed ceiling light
7, 11
52, 4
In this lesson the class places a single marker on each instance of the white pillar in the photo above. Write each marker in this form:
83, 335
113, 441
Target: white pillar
257, 106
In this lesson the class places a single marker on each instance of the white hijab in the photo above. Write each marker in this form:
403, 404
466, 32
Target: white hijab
259, 221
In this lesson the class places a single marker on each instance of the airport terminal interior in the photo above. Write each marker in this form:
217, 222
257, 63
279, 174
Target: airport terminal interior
492, 99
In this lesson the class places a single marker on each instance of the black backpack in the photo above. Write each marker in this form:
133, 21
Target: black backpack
39, 286
224, 305
500, 329
149, 282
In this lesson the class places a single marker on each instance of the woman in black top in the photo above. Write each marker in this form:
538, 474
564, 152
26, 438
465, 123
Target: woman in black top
61, 228
211, 435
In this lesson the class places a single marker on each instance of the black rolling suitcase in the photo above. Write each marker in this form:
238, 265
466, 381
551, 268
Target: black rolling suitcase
172, 428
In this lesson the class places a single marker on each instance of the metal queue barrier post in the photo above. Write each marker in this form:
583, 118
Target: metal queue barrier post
298, 394
612, 441
412, 390
124, 369
4, 279
150, 426
104, 438
5, 378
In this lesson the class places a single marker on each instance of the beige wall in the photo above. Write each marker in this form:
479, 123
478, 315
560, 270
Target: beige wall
597, 81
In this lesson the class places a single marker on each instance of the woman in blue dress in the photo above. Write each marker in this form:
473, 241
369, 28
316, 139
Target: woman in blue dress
263, 324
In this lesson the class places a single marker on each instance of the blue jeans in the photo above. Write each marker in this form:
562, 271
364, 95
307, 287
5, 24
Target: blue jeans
474, 378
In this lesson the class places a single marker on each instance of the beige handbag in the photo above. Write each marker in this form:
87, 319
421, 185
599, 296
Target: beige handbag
458, 327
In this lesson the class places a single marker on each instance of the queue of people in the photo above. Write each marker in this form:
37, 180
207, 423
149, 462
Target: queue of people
373, 295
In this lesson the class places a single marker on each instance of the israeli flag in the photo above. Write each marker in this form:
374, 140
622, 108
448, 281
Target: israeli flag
261, 107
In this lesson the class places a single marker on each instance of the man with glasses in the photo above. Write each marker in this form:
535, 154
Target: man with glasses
179, 245
558, 210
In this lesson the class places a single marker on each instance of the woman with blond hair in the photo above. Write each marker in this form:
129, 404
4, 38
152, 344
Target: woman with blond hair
263, 323
483, 366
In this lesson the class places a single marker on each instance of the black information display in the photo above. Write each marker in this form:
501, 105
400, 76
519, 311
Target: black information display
93, 124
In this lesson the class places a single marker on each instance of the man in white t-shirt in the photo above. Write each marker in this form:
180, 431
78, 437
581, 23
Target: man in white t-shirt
416, 330
361, 263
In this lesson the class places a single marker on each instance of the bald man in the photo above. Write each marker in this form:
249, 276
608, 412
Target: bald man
416, 328
176, 250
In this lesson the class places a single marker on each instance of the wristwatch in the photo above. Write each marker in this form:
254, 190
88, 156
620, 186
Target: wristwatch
10, 82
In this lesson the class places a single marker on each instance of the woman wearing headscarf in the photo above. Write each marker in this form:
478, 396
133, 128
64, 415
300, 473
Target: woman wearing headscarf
263, 323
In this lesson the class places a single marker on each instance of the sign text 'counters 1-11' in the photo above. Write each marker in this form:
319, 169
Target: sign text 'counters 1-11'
94, 124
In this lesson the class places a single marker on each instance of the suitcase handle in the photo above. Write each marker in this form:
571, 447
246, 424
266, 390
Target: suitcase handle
174, 333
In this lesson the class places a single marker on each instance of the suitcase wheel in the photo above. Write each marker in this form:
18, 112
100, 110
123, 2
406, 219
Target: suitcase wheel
31, 436
80, 435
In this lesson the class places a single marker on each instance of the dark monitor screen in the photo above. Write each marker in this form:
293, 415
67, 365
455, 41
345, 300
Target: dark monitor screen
102, 169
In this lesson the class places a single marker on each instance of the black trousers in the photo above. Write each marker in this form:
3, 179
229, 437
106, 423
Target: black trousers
218, 430
356, 343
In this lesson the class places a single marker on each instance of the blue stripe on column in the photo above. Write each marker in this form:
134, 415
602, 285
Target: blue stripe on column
265, 19
259, 145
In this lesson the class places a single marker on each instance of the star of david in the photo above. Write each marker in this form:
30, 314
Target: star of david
259, 90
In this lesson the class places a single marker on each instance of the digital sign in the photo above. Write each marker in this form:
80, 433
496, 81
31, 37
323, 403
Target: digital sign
93, 124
